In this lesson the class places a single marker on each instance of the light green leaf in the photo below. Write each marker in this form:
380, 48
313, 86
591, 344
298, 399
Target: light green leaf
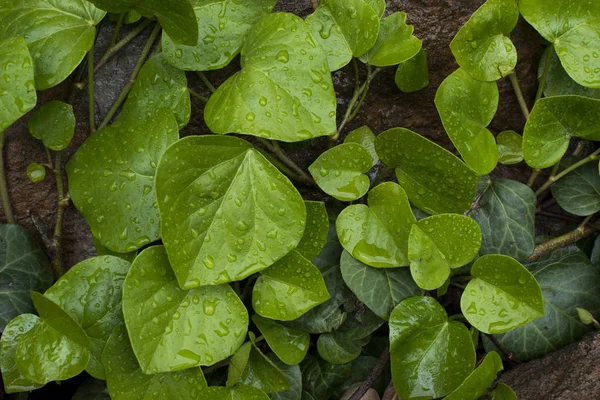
340, 171
53, 124
92, 389
222, 27
428, 266
232, 393
377, 234
249, 366
226, 212
510, 147
503, 392
289, 344
478, 382
578, 192
483, 47
294, 378
111, 179
413, 74
434, 179
430, 355
502, 295
559, 83
36, 172
320, 378
365, 137
281, 61
315, 234
172, 329
378, 6
467, 106
58, 34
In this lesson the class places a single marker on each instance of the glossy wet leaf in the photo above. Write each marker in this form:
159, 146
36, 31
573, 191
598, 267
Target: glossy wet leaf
249, 366
289, 344
430, 355
294, 378
126, 381
365, 137
478, 382
111, 179
58, 34
378, 6
483, 47
506, 215
222, 27
434, 179
36, 172
172, 329
428, 266
502, 295
315, 234
226, 212
281, 61
559, 83
377, 234
242, 392
340, 171
467, 106
552, 124
92, 389
578, 192
573, 27
23, 267
413, 75
103, 251
395, 42
345, 28
510, 147
320, 379
503, 392
53, 124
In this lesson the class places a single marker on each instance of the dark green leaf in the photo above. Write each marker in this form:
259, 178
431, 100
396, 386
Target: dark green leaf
503, 392
413, 75
559, 83
232, 393
578, 192
294, 378
289, 344
320, 379
478, 382
249, 366
510, 147
365, 137
53, 124
315, 234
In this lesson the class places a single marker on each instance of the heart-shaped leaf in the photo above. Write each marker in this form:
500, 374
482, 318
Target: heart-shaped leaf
559, 83
53, 124
241, 392
284, 90
503, 392
294, 378
430, 355
510, 147
467, 106
58, 34
226, 212
289, 344
434, 179
428, 266
478, 382
578, 192
111, 179
365, 137
222, 27
172, 329
377, 234
502, 295
413, 75
320, 378
483, 47
315, 234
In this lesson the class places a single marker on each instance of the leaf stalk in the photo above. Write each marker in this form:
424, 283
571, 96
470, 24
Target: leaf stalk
556, 177
10, 218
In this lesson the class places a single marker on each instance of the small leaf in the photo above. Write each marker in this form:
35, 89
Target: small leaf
294, 378
559, 83
503, 392
315, 234
578, 192
428, 266
232, 393
478, 382
510, 145
585, 316
502, 295
365, 137
320, 379
53, 124
413, 75
249, 366
36, 172
289, 344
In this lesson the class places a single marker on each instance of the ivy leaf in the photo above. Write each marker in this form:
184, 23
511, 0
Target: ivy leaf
126, 381
434, 179
172, 329
578, 192
340, 171
315, 234
428, 266
294, 378
483, 47
430, 355
53, 124
222, 27
365, 137
92, 389
503, 392
395, 42
559, 83
510, 145
249, 366
378, 6
413, 75
377, 234
502, 295
320, 378
345, 28
478, 382
241, 392
574, 30
23, 268
289, 344
58, 34
111, 179
282, 62
467, 106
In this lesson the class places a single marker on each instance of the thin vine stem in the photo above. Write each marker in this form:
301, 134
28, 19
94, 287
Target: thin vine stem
115, 35
380, 365
582, 231
504, 351
544, 77
10, 218
298, 173
91, 88
381, 175
555, 178
62, 205
206, 82
519, 93
281, 166
534, 175
579, 148
198, 95
122, 43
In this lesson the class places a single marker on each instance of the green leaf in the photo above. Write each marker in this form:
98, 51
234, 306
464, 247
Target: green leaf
478, 382
574, 29
226, 212
23, 268
126, 381
249, 366
395, 42
36, 172
340, 171
103, 251
315, 234
506, 215
90, 292
111, 179
320, 378
378, 6
92, 389
502, 295
53, 124
222, 27
172, 329
483, 47
434, 179
232, 393
503, 392
58, 34
430, 355
365, 137
552, 124
559, 83
345, 28
578, 192
467, 106
413, 74
282, 62
510, 147
377, 234
294, 378
428, 266
289, 344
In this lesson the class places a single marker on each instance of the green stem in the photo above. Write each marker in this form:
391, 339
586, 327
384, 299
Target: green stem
381, 175
3, 187
91, 88
544, 77
281, 166
198, 96
115, 35
554, 178
519, 93
534, 174
273, 146
579, 148
206, 82
504, 351
62, 205
567, 239
115, 49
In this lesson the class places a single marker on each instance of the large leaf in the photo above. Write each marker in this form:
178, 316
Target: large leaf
172, 329
53, 124
320, 378
413, 75
23, 267
434, 179
226, 212
317, 228
430, 355
284, 90
289, 344
294, 378
222, 27
111, 179
559, 83
58, 33
478, 382
242, 392
578, 192
483, 47
467, 106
